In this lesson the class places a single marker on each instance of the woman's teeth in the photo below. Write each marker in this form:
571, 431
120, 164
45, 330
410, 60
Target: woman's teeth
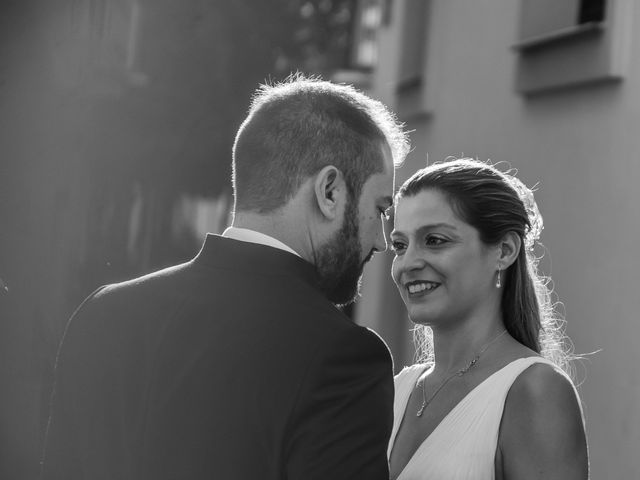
421, 287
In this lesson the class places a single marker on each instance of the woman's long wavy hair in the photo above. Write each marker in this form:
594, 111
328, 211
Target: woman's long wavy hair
495, 203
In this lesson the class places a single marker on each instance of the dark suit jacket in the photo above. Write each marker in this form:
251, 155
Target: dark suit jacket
230, 366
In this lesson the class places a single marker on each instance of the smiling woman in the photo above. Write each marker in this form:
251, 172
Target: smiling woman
492, 398
441, 267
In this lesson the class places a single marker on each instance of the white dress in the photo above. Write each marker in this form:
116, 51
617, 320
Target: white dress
463, 445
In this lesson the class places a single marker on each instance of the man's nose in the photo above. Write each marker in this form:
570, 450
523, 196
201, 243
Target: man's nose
380, 243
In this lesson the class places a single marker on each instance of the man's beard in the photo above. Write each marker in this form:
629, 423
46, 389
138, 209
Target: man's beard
339, 261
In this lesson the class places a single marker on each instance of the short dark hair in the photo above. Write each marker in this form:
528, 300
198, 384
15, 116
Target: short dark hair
297, 127
495, 203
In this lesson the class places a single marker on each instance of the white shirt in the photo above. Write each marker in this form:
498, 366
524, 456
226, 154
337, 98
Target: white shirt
251, 236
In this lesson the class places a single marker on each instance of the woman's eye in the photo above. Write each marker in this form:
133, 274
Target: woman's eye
397, 247
435, 241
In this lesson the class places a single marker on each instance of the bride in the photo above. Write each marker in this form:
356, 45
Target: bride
490, 398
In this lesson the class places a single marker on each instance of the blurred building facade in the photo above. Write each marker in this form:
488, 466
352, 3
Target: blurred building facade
553, 88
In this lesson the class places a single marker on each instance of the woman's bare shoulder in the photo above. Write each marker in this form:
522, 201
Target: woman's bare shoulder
542, 431
543, 385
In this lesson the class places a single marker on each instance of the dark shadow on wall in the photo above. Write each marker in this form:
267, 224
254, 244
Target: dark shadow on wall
110, 112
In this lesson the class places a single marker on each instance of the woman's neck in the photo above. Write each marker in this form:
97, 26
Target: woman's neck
455, 347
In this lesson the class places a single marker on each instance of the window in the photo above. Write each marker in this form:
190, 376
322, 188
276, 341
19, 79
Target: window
412, 85
367, 21
362, 56
563, 43
544, 21
413, 45
591, 11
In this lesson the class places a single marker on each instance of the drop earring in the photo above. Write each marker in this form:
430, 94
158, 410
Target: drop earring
498, 280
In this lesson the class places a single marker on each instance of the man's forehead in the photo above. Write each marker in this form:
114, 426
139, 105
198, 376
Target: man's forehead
381, 184
378, 189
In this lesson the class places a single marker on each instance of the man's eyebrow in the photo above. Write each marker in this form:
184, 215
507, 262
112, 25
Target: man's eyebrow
388, 200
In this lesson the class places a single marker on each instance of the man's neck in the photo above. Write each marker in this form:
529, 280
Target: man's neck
274, 225
253, 236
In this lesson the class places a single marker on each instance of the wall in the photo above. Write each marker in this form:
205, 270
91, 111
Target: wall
581, 145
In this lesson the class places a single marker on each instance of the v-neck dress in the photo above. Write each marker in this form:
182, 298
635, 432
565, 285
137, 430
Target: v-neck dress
463, 445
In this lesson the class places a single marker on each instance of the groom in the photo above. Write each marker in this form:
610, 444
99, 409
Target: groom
237, 364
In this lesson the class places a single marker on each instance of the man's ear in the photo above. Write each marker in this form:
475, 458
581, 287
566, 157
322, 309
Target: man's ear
508, 249
330, 191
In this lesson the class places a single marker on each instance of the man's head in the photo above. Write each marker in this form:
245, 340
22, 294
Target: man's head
319, 149
341, 258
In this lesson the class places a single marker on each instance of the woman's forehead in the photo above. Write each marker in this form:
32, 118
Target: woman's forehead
428, 208
426, 203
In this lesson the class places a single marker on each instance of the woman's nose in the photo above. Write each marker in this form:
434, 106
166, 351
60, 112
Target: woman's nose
413, 259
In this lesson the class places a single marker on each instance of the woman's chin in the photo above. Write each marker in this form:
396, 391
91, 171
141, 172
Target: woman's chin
420, 319
420, 316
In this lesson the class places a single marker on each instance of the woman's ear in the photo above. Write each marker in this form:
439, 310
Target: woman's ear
508, 249
330, 191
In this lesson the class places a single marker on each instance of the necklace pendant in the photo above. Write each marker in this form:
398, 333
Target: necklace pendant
421, 409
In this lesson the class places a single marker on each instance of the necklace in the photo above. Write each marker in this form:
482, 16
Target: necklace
459, 373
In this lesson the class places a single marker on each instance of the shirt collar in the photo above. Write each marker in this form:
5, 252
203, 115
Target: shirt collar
251, 236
